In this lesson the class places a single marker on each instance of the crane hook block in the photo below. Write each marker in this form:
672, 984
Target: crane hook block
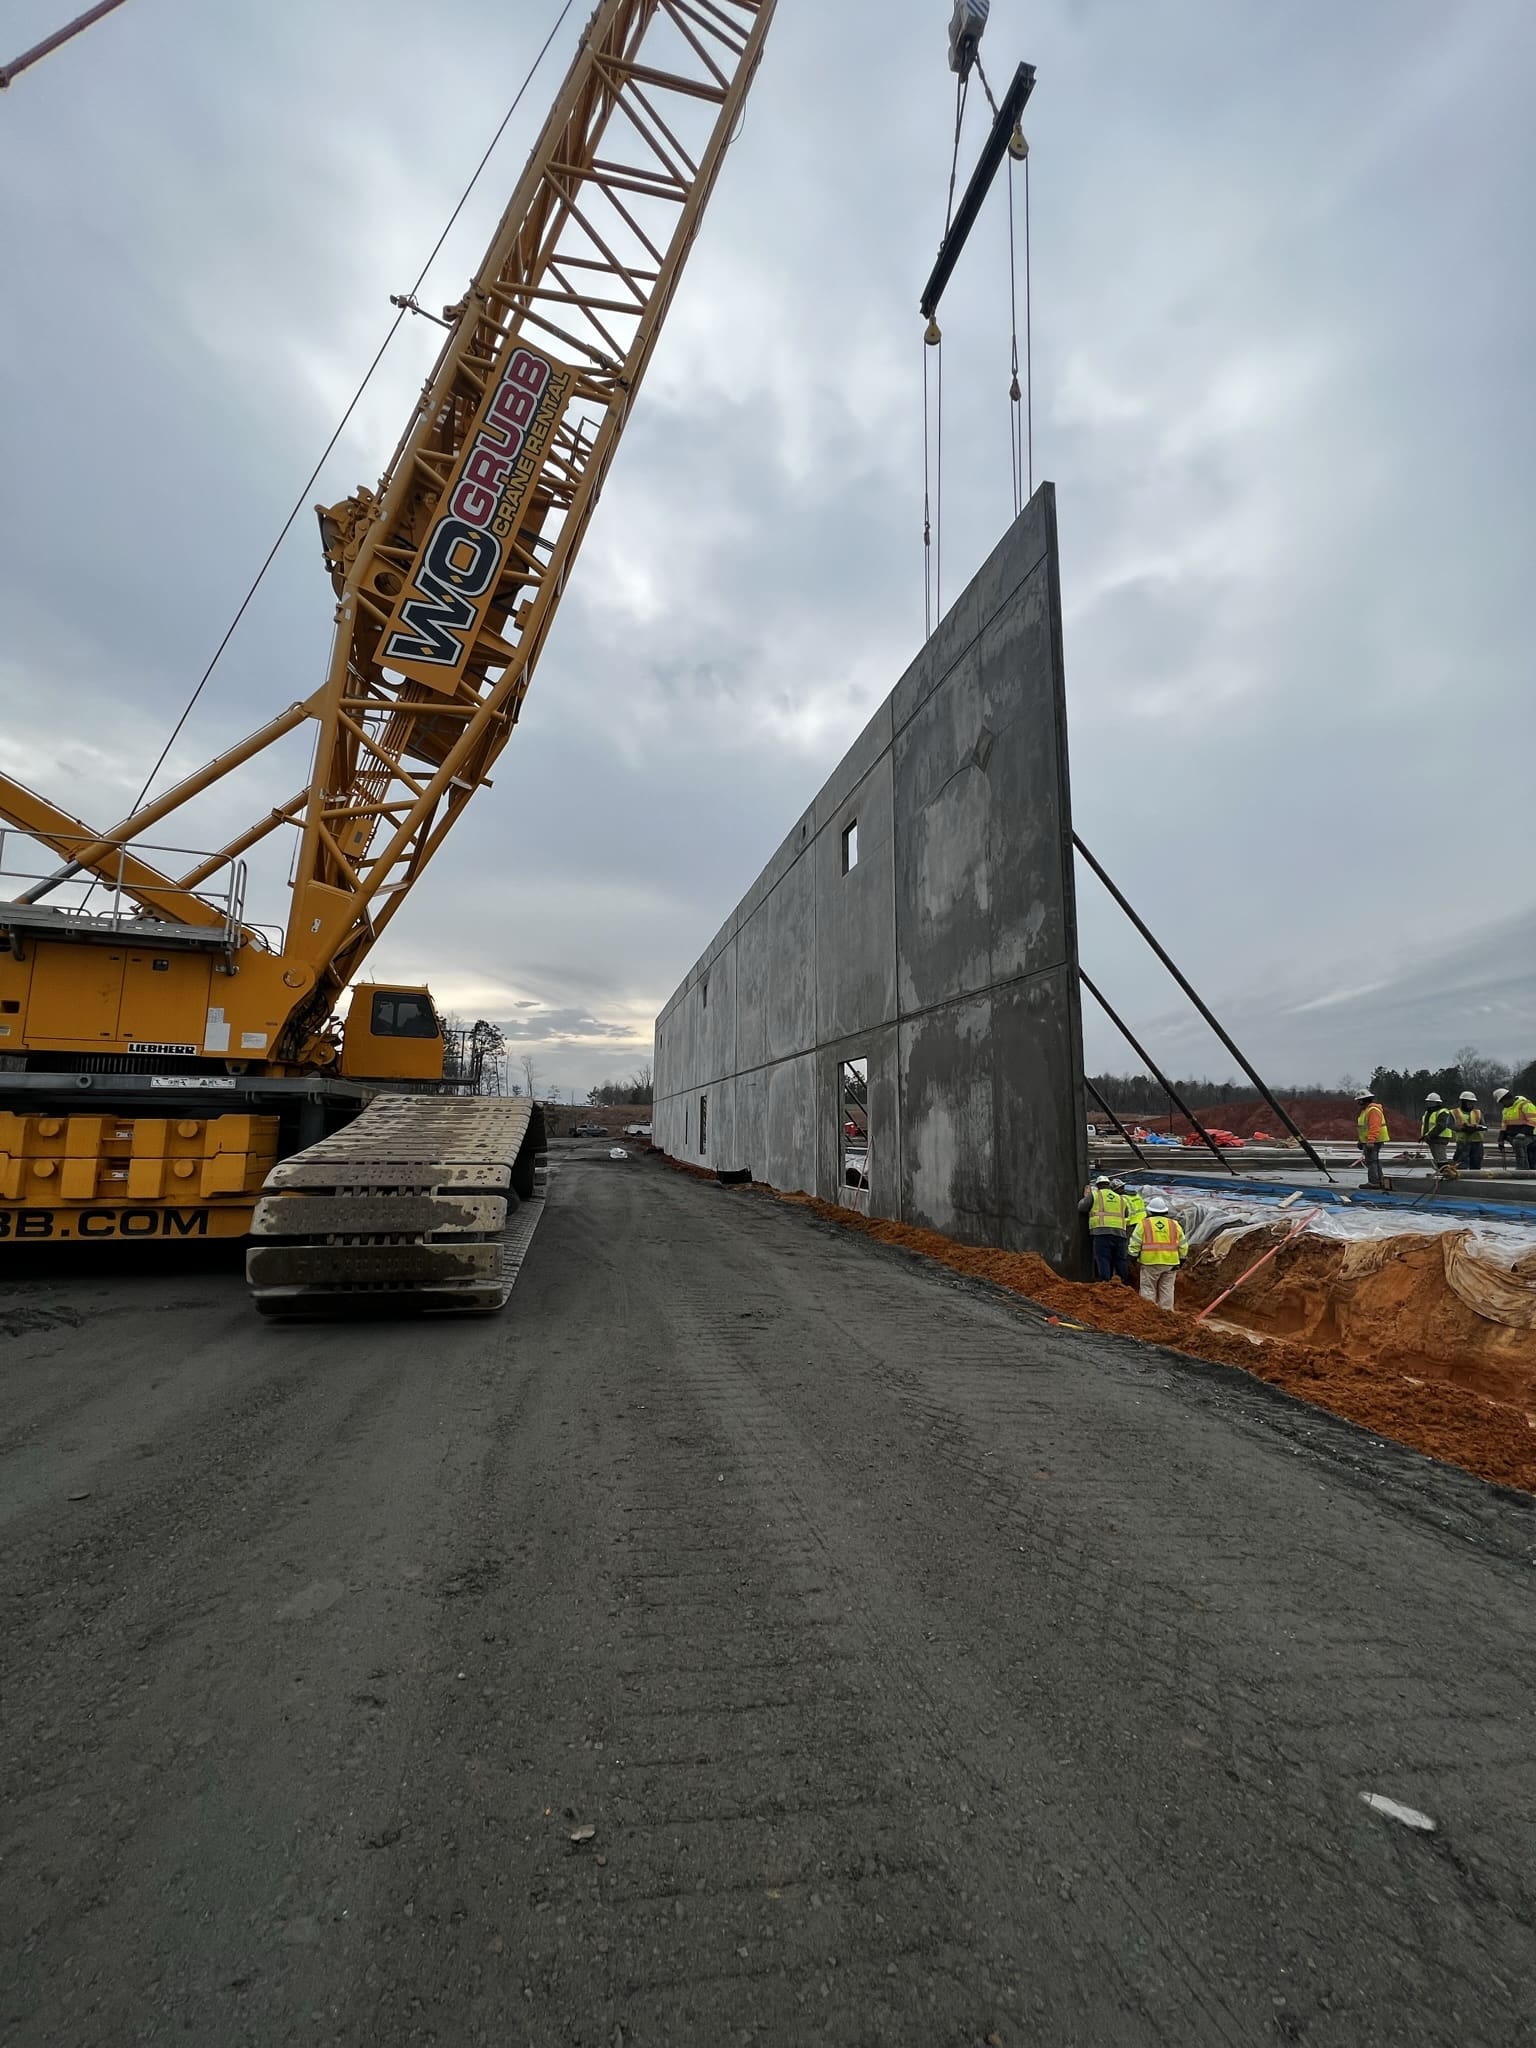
966, 27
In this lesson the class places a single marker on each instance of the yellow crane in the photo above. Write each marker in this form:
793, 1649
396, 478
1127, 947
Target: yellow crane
168, 1068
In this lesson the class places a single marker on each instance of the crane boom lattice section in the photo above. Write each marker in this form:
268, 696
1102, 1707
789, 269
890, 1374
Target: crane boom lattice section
450, 573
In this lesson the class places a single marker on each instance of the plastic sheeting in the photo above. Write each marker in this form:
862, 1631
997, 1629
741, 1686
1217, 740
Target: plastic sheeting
1218, 1218
1492, 1269
1502, 1294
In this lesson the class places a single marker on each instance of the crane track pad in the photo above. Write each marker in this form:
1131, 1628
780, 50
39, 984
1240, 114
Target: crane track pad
424, 1204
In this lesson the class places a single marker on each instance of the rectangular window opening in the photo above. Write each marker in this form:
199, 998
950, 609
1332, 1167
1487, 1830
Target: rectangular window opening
850, 846
853, 1133
703, 1126
704, 986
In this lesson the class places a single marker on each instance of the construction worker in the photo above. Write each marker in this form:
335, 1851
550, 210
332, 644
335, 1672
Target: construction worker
1135, 1209
1159, 1243
1469, 1133
1517, 1122
1437, 1128
1105, 1210
1135, 1206
1371, 1128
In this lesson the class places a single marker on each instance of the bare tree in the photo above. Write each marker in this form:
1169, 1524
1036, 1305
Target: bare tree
643, 1081
531, 1073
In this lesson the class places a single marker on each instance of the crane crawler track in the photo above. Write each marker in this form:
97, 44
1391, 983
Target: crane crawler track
424, 1204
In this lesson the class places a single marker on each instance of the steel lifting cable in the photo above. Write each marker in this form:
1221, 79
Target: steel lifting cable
1029, 328
356, 399
933, 482
927, 511
938, 492
1015, 424
1021, 433
933, 452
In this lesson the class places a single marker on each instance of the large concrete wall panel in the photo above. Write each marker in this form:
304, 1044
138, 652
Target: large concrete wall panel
949, 1161
855, 959
944, 958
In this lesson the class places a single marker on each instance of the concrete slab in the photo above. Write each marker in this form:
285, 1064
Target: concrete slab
939, 945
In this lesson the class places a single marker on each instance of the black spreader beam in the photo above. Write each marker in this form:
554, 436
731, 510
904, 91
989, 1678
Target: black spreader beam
1009, 115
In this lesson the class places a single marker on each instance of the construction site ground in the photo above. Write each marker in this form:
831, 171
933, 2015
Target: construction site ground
756, 1633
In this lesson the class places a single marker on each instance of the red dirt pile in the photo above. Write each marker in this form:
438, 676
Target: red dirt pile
1320, 1116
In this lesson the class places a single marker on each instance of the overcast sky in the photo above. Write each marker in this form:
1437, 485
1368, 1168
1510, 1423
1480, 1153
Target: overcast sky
1283, 301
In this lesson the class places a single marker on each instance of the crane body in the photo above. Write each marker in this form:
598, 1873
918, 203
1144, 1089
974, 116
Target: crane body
163, 1057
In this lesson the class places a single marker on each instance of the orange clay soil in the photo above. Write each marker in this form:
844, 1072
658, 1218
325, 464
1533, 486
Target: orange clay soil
1397, 1353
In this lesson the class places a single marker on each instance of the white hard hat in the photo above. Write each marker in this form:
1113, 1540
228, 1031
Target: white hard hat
1431, 1098
1364, 1095
1468, 1095
1156, 1205
1101, 1180
1499, 1094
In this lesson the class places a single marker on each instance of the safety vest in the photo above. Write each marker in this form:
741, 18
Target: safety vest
1437, 1123
1161, 1241
1519, 1110
1372, 1124
1108, 1211
1135, 1209
1469, 1124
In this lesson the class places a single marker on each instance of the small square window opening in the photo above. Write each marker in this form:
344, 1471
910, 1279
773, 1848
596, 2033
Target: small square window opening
850, 846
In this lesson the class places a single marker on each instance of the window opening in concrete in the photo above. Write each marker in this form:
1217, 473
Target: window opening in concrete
703, 1126
850, 846
704, 987
853, 1119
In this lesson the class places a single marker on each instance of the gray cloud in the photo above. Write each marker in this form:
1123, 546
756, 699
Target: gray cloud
1283, 325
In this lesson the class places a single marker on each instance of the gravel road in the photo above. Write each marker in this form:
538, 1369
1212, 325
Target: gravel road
751, 1635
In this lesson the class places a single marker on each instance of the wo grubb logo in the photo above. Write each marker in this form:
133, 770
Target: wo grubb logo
435, 622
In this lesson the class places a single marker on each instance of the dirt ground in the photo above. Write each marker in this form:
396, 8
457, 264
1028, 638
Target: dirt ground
1393, 1350
754, 1635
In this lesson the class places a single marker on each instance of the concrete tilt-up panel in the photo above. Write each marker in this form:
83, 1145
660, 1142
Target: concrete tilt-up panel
945, 957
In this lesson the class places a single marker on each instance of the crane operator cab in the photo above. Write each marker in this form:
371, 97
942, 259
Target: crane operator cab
391, 1034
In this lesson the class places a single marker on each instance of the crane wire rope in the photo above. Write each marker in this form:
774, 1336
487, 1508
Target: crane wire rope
933, 460
1021, 433
354, 402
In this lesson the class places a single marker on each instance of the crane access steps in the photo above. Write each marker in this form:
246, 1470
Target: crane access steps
423, 1204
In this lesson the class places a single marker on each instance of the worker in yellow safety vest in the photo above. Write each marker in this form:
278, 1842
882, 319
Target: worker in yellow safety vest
1159, 1243
1517, 1123
1135, 1206
1437, 1128
1105, 1209
1371, 1129
1469, 1133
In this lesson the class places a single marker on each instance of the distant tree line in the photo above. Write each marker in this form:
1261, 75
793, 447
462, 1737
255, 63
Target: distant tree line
613, 1094
1400, 1088
474, 1056
1139, 1094
1404, 1090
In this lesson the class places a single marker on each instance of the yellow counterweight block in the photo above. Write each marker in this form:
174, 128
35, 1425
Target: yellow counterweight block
69, 1177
